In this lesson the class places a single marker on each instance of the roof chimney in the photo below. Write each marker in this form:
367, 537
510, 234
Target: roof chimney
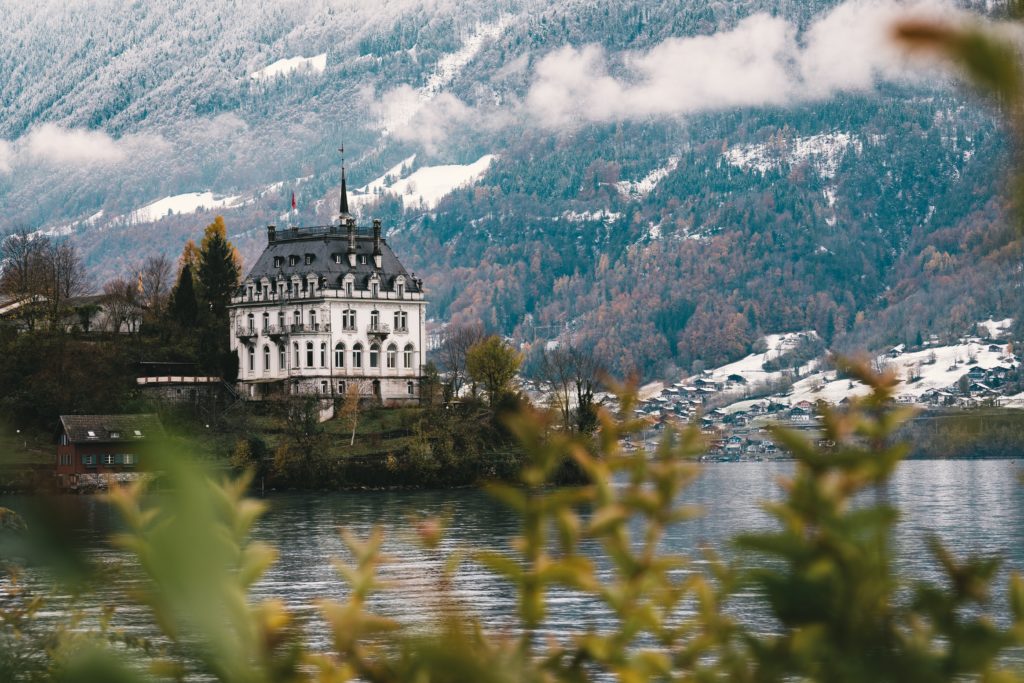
350, 224
271, 233
376, 243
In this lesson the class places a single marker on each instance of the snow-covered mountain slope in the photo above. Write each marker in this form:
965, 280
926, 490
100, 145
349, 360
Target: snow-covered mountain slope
670, 223
187, 203
752, 367
636, 189
824, 152
933, 369
289, 65
424, 187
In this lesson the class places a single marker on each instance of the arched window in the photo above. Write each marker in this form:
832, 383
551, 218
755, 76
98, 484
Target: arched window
297, 318
312, 320
357, 355
392, 356
252, 322
339, 355
297, 363
407, 356
375, 355
266, 358
309, 354
280, 321
252, 358
266, 322
281, 359
323, 354
374, 320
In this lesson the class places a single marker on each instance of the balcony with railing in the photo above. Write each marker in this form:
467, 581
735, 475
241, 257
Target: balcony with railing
243, 332
304, 328
277, 331
380, 330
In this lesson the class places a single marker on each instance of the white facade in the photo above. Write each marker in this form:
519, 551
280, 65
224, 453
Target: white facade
324, 323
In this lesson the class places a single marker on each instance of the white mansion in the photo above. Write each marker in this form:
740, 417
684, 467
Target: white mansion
328, 307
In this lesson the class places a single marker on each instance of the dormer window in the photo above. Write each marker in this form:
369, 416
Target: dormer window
91, 434
362, 259
337, 258
138, 434
293, 260
401, 291
278, 261
309, 259
115, 435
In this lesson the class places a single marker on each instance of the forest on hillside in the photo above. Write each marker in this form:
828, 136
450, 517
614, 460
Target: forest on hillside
854, 212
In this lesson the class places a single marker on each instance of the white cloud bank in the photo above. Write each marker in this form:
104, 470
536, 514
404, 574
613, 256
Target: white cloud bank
409, 118
53, 145
6, 156
764, 60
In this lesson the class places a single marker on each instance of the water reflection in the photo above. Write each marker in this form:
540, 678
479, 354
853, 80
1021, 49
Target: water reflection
972, 505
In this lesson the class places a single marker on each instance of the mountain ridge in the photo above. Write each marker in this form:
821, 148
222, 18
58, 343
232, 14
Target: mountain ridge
555, 237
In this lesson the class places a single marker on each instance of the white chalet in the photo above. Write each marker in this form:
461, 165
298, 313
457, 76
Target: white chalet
325, 307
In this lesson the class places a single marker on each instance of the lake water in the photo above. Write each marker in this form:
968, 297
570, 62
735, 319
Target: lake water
972, 505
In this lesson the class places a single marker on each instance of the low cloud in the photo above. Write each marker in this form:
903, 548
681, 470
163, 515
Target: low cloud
6, 156
50, 144
764, 60
409, 115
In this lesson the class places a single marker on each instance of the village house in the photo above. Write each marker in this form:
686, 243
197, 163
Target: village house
94, 448
327, 308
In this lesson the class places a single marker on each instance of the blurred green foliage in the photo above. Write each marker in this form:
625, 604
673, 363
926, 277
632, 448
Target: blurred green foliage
842, 612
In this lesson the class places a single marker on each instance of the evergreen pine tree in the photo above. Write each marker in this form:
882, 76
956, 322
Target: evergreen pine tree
183, 306
218, 270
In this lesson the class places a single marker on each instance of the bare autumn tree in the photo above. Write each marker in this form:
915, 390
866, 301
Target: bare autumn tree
457, 342
19, 263
573, 374
64, 277
44, 272
155, 283
121, 296
21, 271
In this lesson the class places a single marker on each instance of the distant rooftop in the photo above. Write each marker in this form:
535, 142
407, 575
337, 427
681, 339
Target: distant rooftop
110, 428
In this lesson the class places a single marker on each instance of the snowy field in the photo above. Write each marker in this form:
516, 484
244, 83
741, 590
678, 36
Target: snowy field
187, 203
286, 67
919, 372
425, 186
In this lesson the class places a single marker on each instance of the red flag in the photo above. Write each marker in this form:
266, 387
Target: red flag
293, 200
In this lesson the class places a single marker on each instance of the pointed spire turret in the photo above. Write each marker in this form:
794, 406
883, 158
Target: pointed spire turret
343, 204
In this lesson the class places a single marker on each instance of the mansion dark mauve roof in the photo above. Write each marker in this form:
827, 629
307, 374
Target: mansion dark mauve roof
324, 243
78, 427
